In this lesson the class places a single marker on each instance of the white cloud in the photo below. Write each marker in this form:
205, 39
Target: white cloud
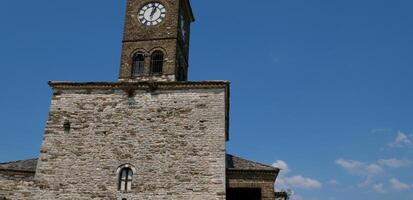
360, 168
296, 181
371, 185
398, 185
374, 169
301, 182
379, 188
401, 140
366, 183
281, 165
394, 163
297, 197
333, 182
280, 183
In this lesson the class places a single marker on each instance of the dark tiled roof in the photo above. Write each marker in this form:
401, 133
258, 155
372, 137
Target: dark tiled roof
237, 163
21, 165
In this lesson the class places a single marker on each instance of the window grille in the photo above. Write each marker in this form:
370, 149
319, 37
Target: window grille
138, 64
125, 179
157, 62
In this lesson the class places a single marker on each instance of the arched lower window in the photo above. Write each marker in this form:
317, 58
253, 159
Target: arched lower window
138, 64
125, 179
157, 59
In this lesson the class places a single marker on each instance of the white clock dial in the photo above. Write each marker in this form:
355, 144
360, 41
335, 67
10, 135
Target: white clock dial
152, 14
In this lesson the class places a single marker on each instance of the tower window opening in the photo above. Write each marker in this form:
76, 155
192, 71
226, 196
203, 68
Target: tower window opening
138, 64
125, 179
157, 60
66, 126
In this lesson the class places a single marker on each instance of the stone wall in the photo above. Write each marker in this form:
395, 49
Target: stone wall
175, 138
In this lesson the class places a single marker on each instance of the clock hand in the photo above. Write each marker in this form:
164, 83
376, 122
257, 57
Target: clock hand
153, 10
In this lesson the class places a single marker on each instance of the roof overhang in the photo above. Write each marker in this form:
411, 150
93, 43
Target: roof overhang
191, 13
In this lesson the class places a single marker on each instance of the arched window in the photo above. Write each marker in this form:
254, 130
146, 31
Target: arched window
138, 64
157, 62
125, 179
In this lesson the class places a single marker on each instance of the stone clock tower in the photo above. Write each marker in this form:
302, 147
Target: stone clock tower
156, 40
152, 135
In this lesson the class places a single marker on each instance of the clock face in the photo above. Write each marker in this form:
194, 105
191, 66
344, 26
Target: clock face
152, 14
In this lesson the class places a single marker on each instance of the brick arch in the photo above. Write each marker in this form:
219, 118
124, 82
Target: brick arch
126, 166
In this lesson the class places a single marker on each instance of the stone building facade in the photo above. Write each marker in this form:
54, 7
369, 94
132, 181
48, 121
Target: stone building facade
151, 135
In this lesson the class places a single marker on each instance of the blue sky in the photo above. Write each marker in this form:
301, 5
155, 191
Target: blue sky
320, 88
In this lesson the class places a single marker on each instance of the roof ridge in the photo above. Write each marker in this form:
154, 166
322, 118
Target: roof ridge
16, 161
253, 161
